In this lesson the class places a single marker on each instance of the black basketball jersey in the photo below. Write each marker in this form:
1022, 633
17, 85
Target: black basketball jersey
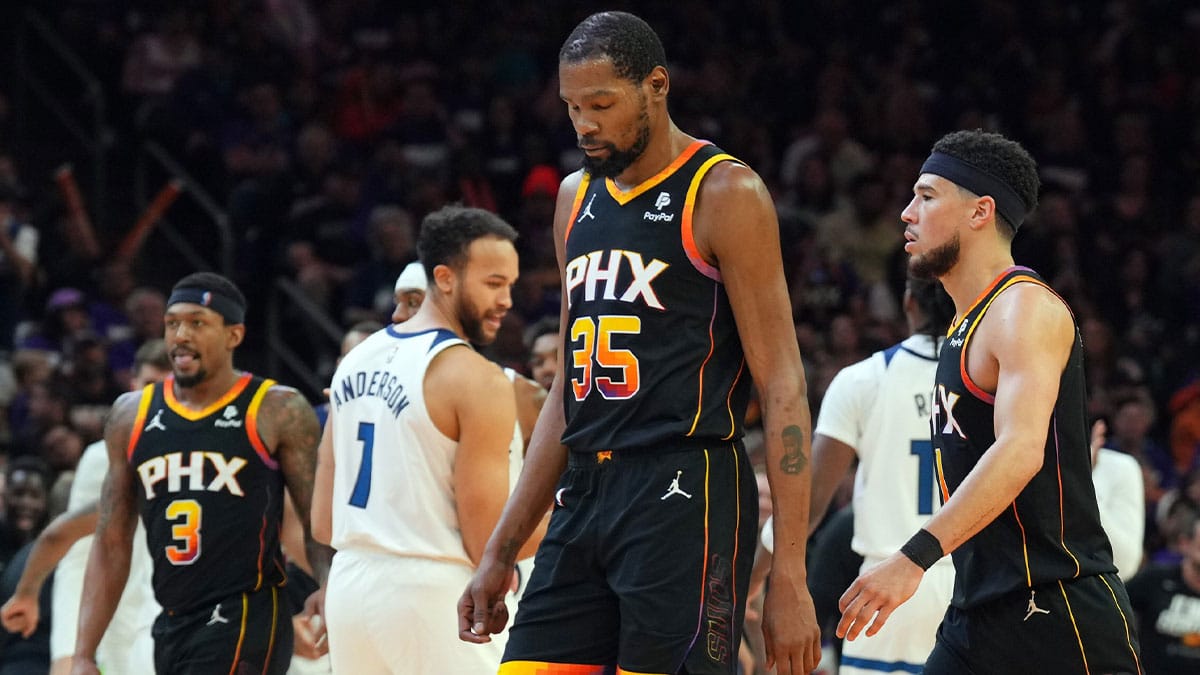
1052, 530
652, 352
210, 495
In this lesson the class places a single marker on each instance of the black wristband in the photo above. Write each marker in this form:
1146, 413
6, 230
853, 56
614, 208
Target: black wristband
923, 549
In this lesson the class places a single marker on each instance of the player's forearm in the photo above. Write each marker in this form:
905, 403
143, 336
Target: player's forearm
320, 557
48, 550
831, 460
990, 488
787, 431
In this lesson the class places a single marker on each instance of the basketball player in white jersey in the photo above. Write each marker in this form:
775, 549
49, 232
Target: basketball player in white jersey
127, 646
878, 410
414, 464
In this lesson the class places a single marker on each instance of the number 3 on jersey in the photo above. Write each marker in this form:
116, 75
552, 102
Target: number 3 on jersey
187, 532
594, 339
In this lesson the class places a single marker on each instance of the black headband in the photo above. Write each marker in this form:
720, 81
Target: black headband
231, 309
968, 176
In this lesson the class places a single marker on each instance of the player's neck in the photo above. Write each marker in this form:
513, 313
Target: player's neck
203, 394
662, 149
972, 275
434, 313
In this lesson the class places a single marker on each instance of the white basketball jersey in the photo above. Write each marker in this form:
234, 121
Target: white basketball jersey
393, 489
881, 407
516, 447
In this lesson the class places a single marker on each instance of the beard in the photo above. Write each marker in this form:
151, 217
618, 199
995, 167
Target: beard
471, 320
618, 160
189, 381
937, 262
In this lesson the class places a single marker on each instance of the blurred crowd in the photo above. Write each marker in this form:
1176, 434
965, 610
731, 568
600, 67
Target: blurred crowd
327, 130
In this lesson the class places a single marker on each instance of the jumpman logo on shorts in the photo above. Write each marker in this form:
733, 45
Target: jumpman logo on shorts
216, 616
156, 422
587, 210
674, 489
1032, 608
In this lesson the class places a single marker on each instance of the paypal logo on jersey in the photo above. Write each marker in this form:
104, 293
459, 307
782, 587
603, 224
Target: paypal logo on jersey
663, 201
590, 269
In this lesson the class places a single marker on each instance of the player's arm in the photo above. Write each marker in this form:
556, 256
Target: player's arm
108, 563
736, 229
840, 421
21, 612
1025, 339
481, 607
483, 402
322, 504
289, 428
831, 460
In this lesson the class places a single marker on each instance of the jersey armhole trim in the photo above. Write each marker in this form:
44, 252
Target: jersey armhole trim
135, 434
252, 425
687, 233
584, 181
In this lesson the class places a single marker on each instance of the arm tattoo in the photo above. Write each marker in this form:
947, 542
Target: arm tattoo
508, 551
793, 460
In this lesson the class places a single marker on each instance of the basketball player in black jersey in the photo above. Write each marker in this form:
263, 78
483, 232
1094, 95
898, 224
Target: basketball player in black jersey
1035, 589
205, 457
674, 304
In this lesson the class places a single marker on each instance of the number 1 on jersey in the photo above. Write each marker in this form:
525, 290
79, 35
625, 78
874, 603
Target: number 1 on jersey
924, 452
362, 484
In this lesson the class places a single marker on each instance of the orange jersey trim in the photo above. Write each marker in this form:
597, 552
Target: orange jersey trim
237, 653
545, 668
274, 624
1062, 519
1124, 620
712, 345
622, 671
937, 456
1074, 626
139, 421
729, 400
623, 197
193, 415
975, 389
1024, 546
579, 193
252, 425
687, 232
704, 566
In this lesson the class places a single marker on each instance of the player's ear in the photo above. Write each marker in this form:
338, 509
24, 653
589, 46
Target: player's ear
658, 82
235, 334
443, 277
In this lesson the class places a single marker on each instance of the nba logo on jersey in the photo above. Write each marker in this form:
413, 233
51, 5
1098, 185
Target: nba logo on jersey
664, 199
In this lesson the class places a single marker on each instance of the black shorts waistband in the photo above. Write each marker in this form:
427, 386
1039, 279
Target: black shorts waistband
580, 459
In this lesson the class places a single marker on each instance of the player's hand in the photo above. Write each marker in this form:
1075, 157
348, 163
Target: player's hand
307, 644
81, 666
481, 609
875, 594
313, 629
790, 632
20, 614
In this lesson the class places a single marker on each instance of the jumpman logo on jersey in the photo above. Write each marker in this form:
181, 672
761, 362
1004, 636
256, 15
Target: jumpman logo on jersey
674, 489
587, 210
216, 616
1032, 608
156, 422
